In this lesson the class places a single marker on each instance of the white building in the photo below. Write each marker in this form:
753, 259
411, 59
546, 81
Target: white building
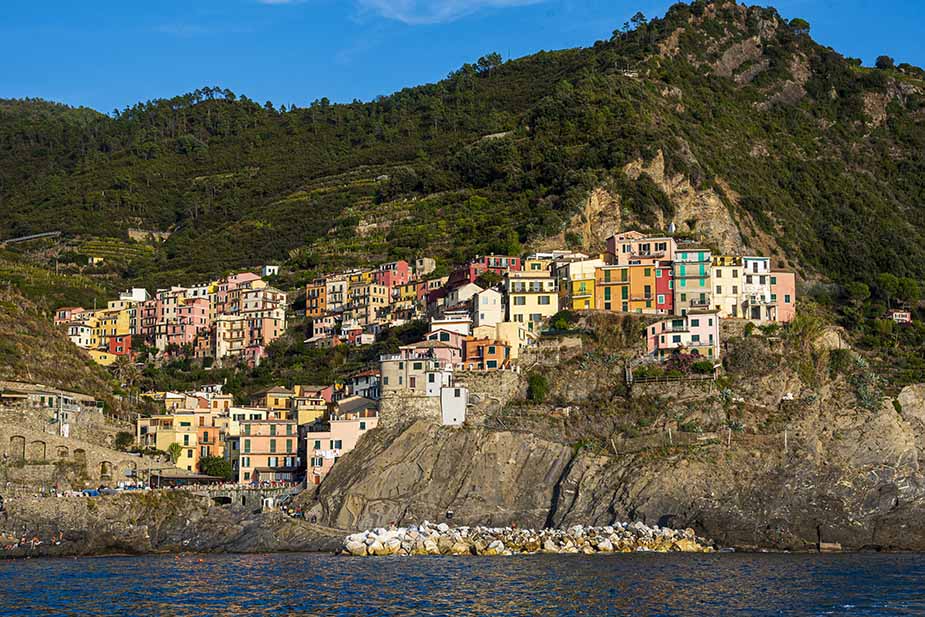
487, 308
453, 403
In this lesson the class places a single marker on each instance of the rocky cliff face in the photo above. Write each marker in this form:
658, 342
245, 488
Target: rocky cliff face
149, 522
778, 454
860, 487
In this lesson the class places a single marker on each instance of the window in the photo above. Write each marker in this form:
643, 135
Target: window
186, 440
658, 273
431, 377
683, 297
417, 366
695, 323
444, 336
774, 280
317, 444
362, 426
748, 279
247, 445
773, 297
719, 289
786, 298
272, 429
544, 300
676, 338
624, 293
647, 271
491, 350
519, 301
338, 444
456, 392
289, 445
695, 338
660, 299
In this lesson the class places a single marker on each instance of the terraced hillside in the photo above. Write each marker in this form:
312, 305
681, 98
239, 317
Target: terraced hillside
726, 120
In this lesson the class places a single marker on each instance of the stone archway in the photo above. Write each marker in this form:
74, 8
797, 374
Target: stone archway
62, 451
105, 470
36, 451
222, 500
18, 447
80, 455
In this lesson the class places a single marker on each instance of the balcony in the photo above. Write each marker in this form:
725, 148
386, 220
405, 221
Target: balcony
700, 303
391, 357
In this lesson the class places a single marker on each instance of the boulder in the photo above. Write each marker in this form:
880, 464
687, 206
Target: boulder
355, 547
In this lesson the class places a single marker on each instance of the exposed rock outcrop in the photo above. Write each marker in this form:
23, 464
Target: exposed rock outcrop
150, 522
838, 475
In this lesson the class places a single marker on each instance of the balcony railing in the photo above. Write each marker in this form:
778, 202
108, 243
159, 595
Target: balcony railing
699, 303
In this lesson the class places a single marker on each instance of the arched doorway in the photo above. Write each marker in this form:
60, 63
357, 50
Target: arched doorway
36, 451
18, 447
105, 470
62, 451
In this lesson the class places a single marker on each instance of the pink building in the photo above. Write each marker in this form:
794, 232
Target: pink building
784, 295
697, 332
452, 337
354, 417
664, 287
66, 314
189, 318
631, 247
446, 354
393, 274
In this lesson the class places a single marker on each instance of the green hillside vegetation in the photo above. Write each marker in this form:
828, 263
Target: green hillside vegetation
33, 350
825, 156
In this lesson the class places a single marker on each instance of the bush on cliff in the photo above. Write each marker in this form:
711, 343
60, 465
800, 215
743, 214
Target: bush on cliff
537, 387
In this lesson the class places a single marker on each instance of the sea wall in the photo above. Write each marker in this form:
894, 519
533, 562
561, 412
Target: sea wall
429, 539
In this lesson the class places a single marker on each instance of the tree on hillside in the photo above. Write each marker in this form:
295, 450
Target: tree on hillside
123, 440
888, 287
858, 292
885, 62
174, 450
215, 466
908, 290
489, 62
800, 26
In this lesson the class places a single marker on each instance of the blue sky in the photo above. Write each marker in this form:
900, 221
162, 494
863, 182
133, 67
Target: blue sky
107, 53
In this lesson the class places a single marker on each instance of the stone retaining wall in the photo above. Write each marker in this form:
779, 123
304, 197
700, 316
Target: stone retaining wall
29, 456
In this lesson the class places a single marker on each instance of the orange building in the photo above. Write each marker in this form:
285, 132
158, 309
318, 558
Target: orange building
627, 289
485, 354
316, 298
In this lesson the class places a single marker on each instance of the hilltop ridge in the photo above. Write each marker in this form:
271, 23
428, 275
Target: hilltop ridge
726, 120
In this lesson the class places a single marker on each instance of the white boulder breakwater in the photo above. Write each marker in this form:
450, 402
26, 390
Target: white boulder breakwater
441, 539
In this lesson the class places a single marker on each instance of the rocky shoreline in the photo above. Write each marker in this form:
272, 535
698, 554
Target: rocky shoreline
441, 539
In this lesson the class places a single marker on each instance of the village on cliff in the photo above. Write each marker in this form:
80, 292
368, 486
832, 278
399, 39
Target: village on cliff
483, 318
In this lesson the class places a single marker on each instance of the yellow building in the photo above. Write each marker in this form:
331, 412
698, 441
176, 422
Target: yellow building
532, 298
277, 397
102, 357
309, 409
180, 428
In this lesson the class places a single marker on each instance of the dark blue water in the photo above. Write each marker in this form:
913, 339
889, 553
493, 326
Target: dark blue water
308, 584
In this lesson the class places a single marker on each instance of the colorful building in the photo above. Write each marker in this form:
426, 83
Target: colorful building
633, 247
696, 332
692, 279
532, 298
